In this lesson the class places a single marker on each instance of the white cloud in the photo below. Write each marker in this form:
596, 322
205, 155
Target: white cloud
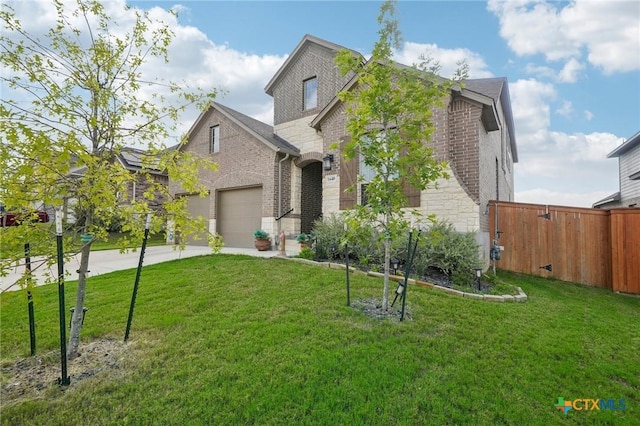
588, 115
574, 164
566, 110
571, 71
530, 104
532, 27
194, 60
447, 58
568, 74
541, 71
608, 32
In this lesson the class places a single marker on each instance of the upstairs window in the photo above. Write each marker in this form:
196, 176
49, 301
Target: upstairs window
310, 93
214, 137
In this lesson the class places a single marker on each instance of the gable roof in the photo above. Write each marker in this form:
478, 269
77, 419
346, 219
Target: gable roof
132, 159
497, 89
627, 145
261, 131
486, 91
306, 40
136, 159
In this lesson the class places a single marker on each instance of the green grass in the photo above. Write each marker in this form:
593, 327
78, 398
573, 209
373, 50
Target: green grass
227, 339
111, 243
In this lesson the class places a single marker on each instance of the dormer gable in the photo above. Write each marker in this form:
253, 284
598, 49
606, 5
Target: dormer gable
307, 80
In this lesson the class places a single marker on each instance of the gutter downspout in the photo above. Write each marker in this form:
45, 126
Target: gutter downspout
279, 228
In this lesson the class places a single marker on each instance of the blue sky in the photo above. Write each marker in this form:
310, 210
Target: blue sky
573, 68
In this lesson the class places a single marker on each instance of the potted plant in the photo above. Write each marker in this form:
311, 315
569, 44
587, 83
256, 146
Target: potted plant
305, 240
262, 240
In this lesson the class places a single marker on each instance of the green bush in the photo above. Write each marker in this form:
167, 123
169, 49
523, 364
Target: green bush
307, 253
448, 251
363, 243
329, 231
365, 246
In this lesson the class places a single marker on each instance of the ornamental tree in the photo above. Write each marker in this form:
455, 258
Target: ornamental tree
72, 100
389, 120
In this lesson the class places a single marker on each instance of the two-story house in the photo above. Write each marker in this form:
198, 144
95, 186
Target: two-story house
290, 169
628, 155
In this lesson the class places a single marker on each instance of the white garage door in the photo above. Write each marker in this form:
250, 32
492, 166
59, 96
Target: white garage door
197, 206
239, 214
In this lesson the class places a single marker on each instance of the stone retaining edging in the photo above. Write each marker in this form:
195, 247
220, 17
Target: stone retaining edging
518, 298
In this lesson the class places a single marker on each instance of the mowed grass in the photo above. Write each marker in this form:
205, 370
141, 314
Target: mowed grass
112, 241
232, 340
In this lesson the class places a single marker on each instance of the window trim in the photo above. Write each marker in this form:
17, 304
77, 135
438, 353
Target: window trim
214, 139
306, 105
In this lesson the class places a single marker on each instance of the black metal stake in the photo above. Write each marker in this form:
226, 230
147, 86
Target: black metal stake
64, 379
32, 321
135, 285
407, 271
346, 249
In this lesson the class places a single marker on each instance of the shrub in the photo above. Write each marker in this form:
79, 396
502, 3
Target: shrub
448, 251
365, 247
307, 253
329, 232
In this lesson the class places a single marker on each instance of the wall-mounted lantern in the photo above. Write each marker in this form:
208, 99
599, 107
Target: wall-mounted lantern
326, 162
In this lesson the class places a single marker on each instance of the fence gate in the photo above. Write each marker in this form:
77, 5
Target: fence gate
570, 244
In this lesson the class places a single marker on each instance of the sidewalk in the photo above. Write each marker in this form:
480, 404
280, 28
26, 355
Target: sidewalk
104, 261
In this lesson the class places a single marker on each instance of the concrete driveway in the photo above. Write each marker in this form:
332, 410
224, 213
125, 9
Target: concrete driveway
104, 261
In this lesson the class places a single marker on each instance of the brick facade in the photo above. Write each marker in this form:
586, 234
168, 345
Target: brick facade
460, 138
243, 161
313, 60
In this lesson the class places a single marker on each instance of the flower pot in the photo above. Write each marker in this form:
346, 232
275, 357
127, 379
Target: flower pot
262, 244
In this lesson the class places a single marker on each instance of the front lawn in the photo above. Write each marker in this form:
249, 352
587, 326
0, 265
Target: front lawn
112, 242
225, 339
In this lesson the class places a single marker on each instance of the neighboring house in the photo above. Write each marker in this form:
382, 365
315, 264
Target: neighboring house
264, 171
135, 161
628, 155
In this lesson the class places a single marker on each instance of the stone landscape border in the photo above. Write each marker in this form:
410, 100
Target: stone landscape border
519, 298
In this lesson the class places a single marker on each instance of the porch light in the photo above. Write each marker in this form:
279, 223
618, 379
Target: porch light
326, 162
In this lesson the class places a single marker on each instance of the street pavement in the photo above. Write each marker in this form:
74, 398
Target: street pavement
104, 261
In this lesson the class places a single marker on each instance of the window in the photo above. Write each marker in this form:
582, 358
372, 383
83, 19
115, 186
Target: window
214, 136
367, 172
310, 93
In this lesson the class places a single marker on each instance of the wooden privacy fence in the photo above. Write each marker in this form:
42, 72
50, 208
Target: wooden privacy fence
589, 246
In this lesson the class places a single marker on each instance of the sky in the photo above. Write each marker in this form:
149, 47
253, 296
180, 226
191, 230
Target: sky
573, 67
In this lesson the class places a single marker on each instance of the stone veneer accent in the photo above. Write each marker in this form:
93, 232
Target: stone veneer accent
299, 133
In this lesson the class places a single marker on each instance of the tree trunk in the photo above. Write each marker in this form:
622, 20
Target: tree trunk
76, 319
387, 260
